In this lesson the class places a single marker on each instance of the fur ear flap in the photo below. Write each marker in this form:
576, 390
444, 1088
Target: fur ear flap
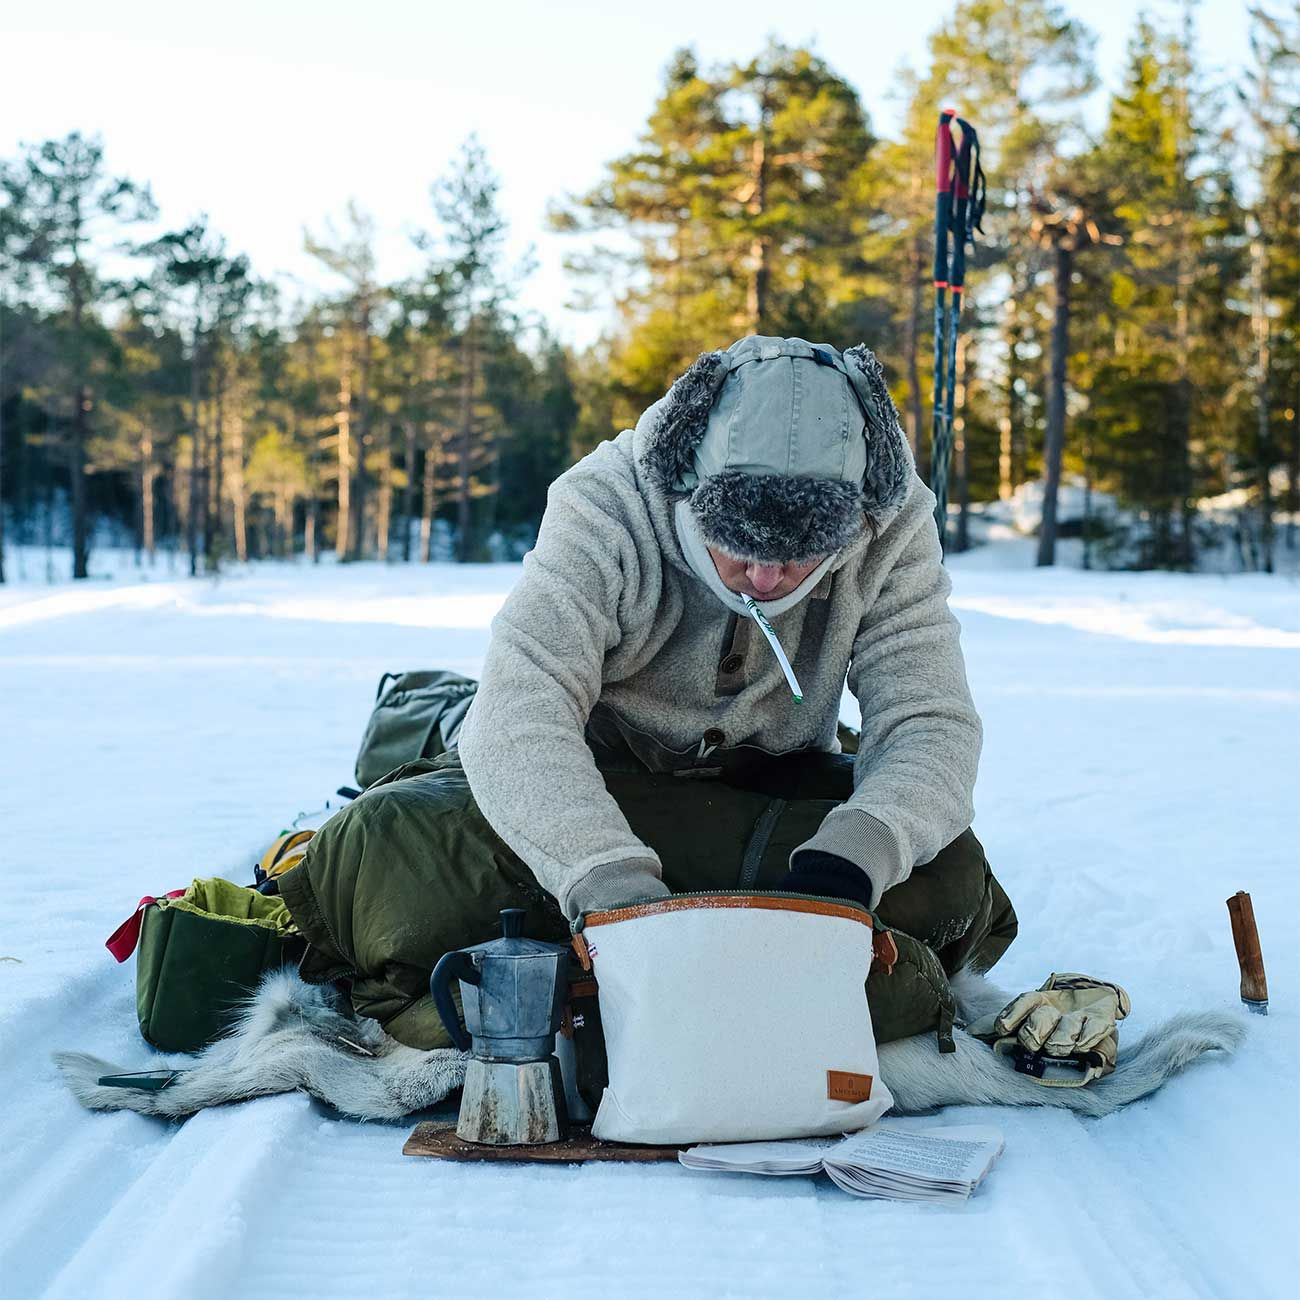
669, 451
889, 464
775, 519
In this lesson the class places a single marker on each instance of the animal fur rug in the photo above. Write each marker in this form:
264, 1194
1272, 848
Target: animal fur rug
293, 1035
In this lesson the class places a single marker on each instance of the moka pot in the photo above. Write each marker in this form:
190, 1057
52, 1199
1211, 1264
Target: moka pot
512, 991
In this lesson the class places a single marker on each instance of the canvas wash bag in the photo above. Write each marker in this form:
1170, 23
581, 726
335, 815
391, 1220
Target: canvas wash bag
734, 1017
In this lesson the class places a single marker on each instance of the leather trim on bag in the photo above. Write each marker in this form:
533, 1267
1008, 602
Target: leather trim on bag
758, 902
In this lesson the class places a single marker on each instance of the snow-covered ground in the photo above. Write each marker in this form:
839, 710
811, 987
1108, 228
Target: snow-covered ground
1140, 765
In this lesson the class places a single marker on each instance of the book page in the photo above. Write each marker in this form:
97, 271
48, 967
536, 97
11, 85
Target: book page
801, 1156
938, 1155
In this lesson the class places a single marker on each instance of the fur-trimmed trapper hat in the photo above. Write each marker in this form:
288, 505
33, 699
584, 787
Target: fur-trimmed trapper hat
786, 450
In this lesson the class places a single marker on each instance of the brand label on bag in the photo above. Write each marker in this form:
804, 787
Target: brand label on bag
843, 1085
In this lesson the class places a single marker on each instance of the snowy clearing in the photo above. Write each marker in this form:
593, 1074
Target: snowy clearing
1140, 765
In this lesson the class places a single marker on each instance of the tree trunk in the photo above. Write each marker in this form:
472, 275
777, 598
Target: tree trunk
1186, 558
77, 441
2, 449
1087, 504
465, 446
49, 524
77, 482
1008, 424
384, 506
179, 496
428, 501
1263, 434
756, 304
148, 478
343, 420
309, 546
408, 493
81, 400
1293, 474
360, 435
238, 491
283, 523
213, 497
1055, 441
192, 520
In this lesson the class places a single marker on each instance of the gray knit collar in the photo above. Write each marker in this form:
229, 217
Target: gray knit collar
695, 549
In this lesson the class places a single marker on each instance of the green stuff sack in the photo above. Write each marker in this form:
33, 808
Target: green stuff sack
416, 715
200, 954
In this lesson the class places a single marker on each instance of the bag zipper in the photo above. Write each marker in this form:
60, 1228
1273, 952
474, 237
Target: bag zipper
578, 925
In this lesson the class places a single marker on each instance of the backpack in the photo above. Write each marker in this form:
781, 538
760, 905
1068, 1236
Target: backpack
416, 715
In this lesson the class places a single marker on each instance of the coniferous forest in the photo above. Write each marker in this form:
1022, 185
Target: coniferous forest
1141, 279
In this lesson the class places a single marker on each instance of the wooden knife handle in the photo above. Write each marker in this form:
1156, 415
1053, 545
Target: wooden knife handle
1245, 935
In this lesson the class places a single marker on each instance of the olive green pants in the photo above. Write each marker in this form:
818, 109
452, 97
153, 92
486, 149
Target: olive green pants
412, 870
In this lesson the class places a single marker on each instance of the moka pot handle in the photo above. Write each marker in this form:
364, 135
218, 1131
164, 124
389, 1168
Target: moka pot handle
451, 966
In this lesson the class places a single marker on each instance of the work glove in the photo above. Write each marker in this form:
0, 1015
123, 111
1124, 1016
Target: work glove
827, 876
1072, 1018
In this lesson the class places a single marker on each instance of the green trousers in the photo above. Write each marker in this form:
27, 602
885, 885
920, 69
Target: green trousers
412, 869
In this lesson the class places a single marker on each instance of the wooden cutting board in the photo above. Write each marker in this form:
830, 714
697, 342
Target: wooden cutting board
439, 1140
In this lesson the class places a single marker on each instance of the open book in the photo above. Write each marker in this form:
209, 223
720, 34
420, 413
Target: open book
888, 1160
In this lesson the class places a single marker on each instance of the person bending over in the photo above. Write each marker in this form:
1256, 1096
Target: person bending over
701, 589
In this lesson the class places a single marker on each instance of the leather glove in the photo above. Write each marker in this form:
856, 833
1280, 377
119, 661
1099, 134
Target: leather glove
1071, 1017
815, 872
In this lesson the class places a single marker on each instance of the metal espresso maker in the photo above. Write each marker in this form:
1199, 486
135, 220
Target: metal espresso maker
512, 991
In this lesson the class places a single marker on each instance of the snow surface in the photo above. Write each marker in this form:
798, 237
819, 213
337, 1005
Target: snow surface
1140, 765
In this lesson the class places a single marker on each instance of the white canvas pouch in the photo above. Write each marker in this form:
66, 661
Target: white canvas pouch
734, 1017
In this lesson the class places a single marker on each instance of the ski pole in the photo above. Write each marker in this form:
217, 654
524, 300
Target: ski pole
943, 160
956, 285
966, 215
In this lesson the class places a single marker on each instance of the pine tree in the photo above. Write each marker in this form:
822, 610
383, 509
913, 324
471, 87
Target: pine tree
1163, 341
350, 255
745, 204
205, 291
76, 213
1269, 94
473, 234
14, 237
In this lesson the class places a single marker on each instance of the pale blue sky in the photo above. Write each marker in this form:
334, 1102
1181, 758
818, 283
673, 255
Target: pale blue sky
268, 115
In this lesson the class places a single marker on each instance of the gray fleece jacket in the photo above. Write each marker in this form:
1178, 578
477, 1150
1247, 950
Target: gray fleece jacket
613, 632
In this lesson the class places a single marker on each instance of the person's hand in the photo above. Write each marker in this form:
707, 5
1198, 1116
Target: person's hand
827, 876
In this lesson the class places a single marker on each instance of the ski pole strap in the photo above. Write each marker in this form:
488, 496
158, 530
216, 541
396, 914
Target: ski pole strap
976, 184
122, 942
969, 190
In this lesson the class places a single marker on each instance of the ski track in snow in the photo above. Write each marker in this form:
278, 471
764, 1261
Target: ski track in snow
1140, 764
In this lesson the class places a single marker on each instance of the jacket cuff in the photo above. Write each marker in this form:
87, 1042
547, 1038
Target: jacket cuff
611, 885
869, 844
